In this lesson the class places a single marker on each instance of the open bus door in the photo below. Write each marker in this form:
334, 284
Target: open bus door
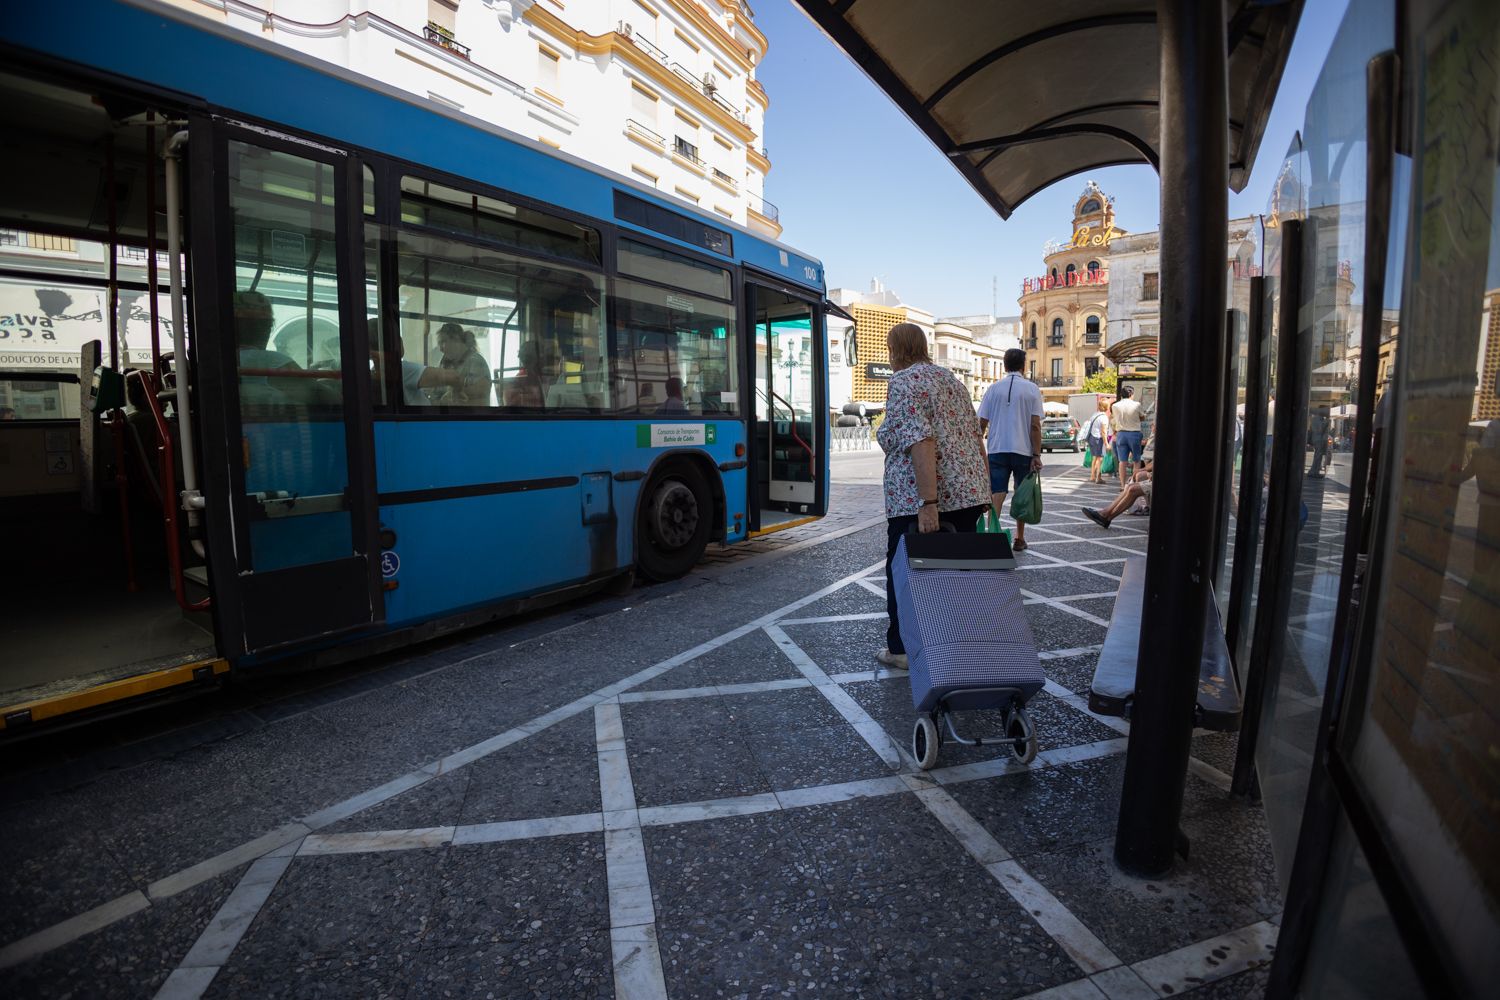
791, 410
285, 388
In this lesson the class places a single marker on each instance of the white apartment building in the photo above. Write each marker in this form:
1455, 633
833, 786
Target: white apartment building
661, 91
1135, 278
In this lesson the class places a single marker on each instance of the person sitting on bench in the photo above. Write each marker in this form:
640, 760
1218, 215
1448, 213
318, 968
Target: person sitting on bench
1137, 489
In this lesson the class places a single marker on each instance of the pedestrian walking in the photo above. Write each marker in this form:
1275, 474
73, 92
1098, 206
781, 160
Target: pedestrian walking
1010, 417
1096, 435
934, 465
1125, 415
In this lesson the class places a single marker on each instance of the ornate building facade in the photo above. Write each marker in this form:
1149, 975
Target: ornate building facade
1065, 308
660, 91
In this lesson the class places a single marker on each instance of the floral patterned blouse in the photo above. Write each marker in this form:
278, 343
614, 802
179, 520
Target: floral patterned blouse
925, 401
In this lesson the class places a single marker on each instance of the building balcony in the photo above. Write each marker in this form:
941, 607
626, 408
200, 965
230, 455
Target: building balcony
641, 133
687, 151
643, 45
443, 39
725, 179
763, 208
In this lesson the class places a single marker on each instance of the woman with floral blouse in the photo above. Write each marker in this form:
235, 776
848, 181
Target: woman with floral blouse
935, 467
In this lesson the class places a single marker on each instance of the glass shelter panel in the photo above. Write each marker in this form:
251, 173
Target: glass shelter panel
1330, 185
1424, 744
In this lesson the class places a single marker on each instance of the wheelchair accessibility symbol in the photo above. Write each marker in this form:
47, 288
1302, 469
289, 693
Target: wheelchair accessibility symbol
390, 564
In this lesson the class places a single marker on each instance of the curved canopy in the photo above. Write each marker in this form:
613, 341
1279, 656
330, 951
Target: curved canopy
1133, 351
1022, 95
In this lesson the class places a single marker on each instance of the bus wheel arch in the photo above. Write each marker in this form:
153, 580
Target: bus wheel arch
679, 511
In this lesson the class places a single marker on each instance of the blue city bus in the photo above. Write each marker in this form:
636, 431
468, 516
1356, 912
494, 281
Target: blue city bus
407, 372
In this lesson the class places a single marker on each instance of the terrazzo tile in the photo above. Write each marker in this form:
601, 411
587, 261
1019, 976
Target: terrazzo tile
436, 802
1052, 628
954, 934
672, 770
1064, 581
1099, 607
875, 841
750, 658
1226, 883
788, 949
131, 958
777, 714
728, 865
353, 911
1076, 673
823, 756
841, 647
577, 967
850, 600
554, 773
1049, 808
687, 721
526, 890
57, 864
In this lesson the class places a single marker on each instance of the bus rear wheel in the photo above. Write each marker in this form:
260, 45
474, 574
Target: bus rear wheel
674, 522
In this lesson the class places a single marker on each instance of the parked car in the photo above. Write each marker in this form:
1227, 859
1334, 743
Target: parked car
1057, 432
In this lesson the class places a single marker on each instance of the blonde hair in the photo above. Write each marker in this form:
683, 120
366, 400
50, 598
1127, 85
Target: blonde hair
908, 345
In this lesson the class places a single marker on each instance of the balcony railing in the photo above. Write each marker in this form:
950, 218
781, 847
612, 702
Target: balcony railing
635, 128
1091, 338
1055, 340
443, 39
681, 147
722, 177
646, 47
730, 109
762, 207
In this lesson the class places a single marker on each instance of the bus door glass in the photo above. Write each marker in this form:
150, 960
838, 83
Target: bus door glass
790, 416
296, 365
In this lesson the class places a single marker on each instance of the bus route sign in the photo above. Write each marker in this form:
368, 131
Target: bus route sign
674, 435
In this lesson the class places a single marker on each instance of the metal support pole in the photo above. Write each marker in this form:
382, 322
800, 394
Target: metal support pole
1252, 474
1194, 231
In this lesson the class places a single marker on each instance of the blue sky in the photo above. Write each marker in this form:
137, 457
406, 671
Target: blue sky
861, 188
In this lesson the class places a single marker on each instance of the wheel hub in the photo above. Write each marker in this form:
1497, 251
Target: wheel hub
675, 514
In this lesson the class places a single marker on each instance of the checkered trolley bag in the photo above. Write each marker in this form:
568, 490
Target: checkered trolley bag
967, 642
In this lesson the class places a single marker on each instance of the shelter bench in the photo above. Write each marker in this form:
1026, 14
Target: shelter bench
1113, 690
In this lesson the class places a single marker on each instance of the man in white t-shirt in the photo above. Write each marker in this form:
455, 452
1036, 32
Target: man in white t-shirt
1010, 417
1125, 414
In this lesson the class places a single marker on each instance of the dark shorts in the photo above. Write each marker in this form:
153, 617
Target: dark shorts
1005, 465
1128, 446
1096, 447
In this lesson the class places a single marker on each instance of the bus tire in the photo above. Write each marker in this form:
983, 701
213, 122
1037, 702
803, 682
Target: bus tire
674, 522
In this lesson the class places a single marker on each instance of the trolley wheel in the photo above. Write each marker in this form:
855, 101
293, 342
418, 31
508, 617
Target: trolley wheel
674, 521
924, 742
1021, 735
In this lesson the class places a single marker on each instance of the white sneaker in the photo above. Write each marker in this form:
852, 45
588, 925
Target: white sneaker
896, 661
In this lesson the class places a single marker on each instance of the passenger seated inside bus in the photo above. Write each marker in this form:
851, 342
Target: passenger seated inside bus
673, 403
415, 376
252, 329
525, 390
460, 354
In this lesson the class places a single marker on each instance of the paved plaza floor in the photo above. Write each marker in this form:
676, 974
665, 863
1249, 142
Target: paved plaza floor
706, 793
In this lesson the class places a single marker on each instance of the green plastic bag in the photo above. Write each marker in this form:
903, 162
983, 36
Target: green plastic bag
989, 524
1088, 458
1026, 503
1108, 468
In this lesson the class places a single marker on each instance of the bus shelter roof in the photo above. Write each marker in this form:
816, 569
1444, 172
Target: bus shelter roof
1019, 96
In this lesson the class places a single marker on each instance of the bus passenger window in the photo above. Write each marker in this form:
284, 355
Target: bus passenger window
491, 329
675, 352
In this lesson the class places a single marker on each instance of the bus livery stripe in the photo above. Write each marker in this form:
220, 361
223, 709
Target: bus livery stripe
476, 490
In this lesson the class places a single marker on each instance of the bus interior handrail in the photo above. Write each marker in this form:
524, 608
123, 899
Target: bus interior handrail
168, 492
812, 456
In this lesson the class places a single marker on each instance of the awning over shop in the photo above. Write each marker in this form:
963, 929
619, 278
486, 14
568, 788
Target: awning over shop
1022, 95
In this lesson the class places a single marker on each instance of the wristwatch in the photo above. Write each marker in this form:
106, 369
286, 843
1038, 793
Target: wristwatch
929, 503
